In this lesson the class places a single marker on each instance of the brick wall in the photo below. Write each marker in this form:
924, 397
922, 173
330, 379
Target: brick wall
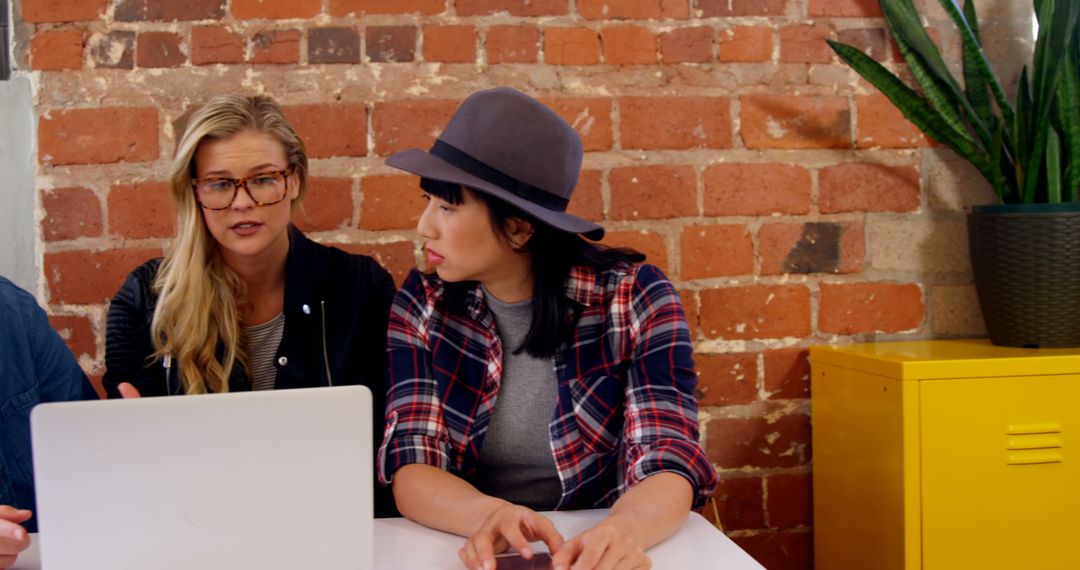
789, 202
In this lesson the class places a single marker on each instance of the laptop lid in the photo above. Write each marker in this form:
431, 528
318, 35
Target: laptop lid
275, 479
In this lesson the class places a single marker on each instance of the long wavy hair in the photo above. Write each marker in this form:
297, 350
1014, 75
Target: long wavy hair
197, 318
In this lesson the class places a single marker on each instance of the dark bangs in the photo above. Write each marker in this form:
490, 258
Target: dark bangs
449, 191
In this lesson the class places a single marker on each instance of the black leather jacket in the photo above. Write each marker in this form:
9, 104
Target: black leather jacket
336, 310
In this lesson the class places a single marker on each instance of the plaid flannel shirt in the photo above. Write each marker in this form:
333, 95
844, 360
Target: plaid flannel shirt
625, 406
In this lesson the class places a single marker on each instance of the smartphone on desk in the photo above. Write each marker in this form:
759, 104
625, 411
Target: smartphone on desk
539, 561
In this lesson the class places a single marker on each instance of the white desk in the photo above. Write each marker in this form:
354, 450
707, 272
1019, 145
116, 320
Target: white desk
400, 543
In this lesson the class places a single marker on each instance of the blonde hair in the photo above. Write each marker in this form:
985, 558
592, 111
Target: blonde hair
198, 295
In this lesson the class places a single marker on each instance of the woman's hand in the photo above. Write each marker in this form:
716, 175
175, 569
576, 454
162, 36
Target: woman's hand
509, 526
13, 537
602, 547
127, 391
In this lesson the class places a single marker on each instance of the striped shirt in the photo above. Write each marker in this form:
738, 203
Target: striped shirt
262, 345
625, 406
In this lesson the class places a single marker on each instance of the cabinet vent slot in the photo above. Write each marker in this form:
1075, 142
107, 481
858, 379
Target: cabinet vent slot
1033, 444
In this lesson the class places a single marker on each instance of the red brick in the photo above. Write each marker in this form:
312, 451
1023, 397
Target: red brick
571, 46
338, 129
690, 306
451, 44
95, 381
590, 117
735, 443
587, 201
870, 41
653, 192
113, 50
70, 213
795, 121
82, 277
881, 124
812, 247
391, 202
389, 44
78, 333
157, 11
726, 379
215, 44
275, 9
333, 45
276, 46
409, 124
779, 550
360, 7
513, 7
756, 312
142, 210
756, 189
787, 374
724, 8
789, 498
745, 44
397, 257
740, 502
869, 188
805, 44
55, 50
327, 205
512, 44
845, 8
652, 244
687, 45
850, 308
633, 9
715, 251
98, 136
675, 122
628, 45
159, 49
38, 11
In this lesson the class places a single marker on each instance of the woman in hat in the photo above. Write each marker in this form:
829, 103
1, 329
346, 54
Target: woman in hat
243, 300
533, 370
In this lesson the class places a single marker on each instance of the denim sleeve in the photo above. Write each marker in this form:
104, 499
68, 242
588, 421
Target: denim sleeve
60, 378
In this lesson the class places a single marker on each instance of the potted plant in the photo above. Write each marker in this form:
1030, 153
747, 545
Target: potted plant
1025, 250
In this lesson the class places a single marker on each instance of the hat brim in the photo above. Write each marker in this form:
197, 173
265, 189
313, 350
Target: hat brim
427, 165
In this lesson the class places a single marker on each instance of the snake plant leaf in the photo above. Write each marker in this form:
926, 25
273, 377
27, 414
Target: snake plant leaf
1058, 21
914, 107
1020, 126
997, 178
971, 44
937, 94
975, 85
1069, 117
1053, 166
903, 22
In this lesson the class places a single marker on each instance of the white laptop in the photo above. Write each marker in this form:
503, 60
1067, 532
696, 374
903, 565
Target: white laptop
268, 480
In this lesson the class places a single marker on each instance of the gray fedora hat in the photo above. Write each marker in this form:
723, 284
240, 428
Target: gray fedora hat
508, 145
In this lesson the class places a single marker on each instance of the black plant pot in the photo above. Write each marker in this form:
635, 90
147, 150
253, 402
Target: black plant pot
1026, 260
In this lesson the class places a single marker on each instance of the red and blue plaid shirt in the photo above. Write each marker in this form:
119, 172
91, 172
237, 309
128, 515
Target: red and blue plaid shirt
625, 407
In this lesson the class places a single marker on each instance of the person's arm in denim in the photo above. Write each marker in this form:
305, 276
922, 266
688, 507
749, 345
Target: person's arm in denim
60, 378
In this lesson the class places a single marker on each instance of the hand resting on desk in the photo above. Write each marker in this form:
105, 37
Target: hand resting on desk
13, 537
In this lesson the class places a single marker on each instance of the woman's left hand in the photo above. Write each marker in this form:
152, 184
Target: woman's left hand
602, 547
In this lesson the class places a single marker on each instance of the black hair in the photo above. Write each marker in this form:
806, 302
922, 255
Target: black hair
554, 253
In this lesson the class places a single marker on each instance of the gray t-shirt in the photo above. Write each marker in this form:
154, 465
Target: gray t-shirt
516, 460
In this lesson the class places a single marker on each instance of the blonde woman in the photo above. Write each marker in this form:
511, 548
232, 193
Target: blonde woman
242, 299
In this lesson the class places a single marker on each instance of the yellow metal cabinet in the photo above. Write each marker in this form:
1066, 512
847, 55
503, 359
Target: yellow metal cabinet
945, 455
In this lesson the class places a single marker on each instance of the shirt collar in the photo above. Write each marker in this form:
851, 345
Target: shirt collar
581, 287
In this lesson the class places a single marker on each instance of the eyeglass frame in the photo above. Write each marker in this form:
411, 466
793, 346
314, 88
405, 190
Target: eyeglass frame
241, 182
